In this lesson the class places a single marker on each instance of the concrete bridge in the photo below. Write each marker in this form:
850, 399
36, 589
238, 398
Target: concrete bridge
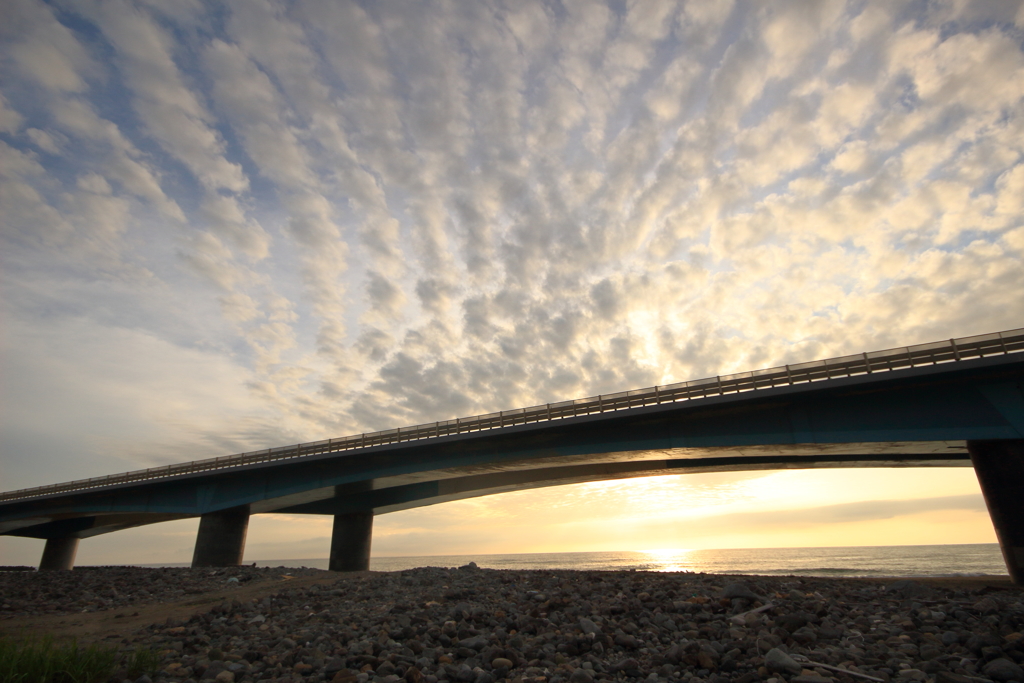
958, 402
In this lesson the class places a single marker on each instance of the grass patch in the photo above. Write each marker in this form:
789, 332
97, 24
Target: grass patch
42, 659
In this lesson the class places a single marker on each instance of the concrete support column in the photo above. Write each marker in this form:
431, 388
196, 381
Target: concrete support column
1000, 469
59, 553
350, 542
221, 538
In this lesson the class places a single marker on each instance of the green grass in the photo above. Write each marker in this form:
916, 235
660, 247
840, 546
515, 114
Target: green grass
44, 660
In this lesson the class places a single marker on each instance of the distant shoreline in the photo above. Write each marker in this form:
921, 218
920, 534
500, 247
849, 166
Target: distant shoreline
880, 562
952, 560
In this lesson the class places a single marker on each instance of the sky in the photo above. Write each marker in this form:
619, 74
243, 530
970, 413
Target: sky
236, 225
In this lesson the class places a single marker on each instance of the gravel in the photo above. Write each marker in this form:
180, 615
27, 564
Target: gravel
92, 589
471, 625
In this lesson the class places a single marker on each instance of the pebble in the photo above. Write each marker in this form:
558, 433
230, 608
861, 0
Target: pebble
1003, 670
581, 675
739, 590
473, 625
777, 660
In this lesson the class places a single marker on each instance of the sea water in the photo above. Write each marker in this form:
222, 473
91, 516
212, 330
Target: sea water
981, 559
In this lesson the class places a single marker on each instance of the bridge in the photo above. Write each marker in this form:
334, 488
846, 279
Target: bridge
958, 402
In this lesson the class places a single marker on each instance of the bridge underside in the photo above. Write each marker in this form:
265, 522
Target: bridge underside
398, 493
384, 494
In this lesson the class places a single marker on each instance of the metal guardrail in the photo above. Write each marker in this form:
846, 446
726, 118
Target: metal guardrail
951, 351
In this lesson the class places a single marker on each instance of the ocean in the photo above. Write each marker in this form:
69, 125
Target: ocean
983, 559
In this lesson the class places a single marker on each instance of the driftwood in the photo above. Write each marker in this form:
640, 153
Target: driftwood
740, 619
803, 660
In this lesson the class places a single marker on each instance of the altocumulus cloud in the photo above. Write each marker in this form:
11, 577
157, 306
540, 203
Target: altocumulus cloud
241, 225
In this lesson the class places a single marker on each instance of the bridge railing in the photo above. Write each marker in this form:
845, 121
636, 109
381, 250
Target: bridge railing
951, 351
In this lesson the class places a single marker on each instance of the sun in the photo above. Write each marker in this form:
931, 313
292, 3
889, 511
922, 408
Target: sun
670, 559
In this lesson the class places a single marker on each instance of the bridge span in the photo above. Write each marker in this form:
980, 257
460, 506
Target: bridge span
953, 403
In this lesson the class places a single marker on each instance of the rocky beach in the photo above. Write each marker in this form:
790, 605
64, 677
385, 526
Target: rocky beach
472, 625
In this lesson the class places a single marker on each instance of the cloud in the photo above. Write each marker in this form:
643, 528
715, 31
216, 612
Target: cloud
845, 513
45, 50
43, 140
143, 417
121, 159
177, 119
10, 120
170, 110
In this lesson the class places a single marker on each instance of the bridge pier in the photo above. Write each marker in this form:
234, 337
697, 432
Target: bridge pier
350, 542
1000, 469
221, 538
59, 553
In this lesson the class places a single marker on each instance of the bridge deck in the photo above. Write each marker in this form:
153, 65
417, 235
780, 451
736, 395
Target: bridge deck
935, 353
